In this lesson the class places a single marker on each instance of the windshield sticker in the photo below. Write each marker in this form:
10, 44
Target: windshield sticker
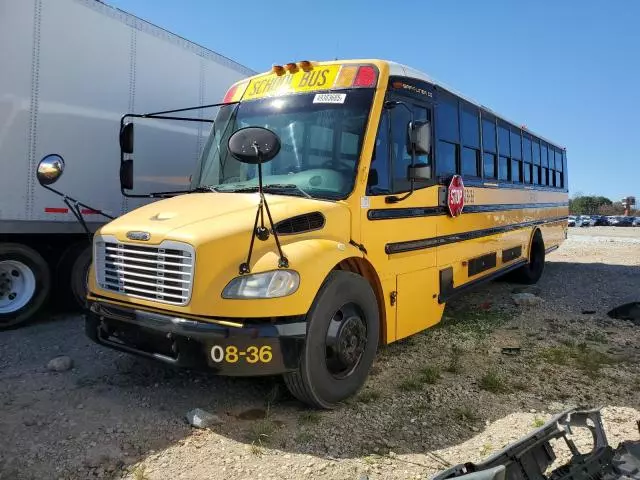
329, 98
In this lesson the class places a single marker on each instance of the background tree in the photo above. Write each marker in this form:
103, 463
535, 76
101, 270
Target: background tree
587, 204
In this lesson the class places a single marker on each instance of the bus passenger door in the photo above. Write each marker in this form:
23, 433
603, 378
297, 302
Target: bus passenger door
407, 273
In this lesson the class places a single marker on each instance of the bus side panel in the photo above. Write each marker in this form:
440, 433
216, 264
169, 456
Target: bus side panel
418, 306
463, 257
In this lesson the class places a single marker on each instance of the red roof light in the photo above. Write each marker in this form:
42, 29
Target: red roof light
366, 77
229, 96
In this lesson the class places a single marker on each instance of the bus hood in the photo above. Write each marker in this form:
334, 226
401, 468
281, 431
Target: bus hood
200, 218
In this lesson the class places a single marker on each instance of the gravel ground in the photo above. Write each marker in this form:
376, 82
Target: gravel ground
445, 396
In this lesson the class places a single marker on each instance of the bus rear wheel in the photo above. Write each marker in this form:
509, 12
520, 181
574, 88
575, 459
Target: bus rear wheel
24, 284
342, 340
531, 272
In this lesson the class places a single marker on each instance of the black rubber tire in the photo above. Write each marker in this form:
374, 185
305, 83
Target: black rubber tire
42, 274
80, 277
530, 273
312, 383
71, 271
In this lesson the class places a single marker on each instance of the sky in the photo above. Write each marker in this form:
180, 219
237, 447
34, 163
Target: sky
569, 70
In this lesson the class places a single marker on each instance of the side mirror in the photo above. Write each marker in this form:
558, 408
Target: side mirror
254, 145
420, 137
419, 172
50, 169
126, 138
126, 175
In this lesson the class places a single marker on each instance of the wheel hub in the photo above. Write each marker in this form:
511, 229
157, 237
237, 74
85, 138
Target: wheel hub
346, 341
17, 285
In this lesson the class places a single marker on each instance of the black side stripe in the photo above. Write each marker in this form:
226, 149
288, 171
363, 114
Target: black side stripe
393, 213
424, 243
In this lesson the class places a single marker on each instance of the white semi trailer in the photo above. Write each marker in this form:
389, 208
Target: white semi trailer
69, 69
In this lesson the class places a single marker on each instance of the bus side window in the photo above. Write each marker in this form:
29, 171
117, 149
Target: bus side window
379, 178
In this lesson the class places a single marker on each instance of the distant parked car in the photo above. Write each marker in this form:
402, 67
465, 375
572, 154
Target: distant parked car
583, 221
599, 221
571, 221
620, 221
636, 222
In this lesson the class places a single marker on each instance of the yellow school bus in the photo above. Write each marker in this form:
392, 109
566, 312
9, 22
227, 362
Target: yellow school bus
368, 197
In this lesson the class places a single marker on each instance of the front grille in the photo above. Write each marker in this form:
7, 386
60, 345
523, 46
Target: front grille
162, 273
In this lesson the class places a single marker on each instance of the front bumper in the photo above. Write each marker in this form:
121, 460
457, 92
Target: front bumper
258, 347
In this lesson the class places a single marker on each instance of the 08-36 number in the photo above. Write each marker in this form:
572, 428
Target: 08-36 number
231, 354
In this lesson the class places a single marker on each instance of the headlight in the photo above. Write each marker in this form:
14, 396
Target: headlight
274, 284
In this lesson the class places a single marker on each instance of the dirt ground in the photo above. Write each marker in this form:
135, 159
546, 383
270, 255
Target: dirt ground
446, 396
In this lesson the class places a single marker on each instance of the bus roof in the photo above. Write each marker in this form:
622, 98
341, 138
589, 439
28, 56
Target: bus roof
397, 69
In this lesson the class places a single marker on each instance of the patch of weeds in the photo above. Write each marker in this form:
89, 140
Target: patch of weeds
140, 473
478, 323
465, 414
455, 360
309, 417
430, 375
261, 431
591, 361
410, 384
369, 396
304, 437
370, 459
596, 336
587, 359
560, 355
537, 422
493, 382
568, 342
486, 449
256, 450
636, 384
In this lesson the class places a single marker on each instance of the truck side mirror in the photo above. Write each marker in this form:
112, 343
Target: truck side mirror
126, 175
126, 138
420, 137
419, 172
50, 169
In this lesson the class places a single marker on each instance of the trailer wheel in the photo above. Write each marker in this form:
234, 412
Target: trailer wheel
25, 281
80, 277
341, 343
72, 273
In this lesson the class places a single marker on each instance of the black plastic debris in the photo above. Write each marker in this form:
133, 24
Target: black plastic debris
628, 311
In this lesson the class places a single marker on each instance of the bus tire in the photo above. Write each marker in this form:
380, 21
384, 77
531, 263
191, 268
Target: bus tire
25, 282
342, 339
531, 272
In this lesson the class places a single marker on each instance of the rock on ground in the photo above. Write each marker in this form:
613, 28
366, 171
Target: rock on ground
526, 299
60, 364
202, 419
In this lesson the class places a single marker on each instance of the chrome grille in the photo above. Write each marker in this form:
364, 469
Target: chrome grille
162, 273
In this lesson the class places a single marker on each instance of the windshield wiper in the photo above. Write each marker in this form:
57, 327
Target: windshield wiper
287, 187
276, 188
205, 188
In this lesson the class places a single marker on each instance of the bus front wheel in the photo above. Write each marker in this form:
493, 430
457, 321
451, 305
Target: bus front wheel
531, 272
342, 340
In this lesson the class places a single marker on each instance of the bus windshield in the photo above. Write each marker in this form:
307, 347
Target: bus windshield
321, 137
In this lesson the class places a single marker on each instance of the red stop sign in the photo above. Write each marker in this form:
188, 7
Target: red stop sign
455, 196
